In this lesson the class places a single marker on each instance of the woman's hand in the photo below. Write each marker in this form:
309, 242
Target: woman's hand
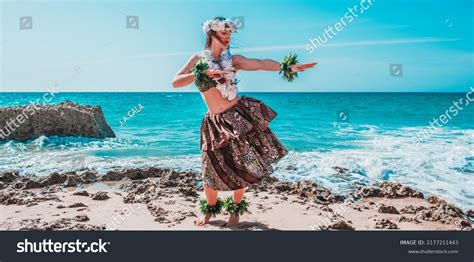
302, 67
216, 74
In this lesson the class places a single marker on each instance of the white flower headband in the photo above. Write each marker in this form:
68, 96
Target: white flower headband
218, 25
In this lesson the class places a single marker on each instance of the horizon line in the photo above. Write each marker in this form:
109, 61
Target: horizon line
285, 92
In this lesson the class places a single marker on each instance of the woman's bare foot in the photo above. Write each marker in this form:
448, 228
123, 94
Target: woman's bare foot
202, 220
233, 221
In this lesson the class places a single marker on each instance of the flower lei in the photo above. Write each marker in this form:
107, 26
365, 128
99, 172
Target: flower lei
227, 84
218, 25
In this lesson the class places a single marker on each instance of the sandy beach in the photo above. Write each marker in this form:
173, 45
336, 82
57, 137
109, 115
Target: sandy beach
163, 199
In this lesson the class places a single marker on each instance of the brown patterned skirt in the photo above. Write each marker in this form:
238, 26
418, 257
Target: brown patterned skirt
238, 147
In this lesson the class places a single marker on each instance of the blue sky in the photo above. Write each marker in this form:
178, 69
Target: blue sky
85, 46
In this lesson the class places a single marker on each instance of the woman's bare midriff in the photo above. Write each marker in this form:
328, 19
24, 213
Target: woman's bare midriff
215, 102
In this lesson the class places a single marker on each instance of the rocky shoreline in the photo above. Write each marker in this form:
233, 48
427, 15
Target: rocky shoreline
164, 199
31, 121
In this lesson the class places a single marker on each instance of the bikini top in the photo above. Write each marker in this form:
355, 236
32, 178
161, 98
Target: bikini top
227, 85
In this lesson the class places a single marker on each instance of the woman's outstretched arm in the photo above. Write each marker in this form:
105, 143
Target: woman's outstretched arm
251, 64
184, 76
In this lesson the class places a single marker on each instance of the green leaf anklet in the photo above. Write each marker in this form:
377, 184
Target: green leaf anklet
213, 210
236, 209
285, 67
202, 81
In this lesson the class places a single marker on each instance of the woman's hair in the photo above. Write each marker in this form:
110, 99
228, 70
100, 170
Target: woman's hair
211, 33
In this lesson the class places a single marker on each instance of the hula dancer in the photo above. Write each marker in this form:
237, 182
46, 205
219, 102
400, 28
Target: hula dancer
238, 148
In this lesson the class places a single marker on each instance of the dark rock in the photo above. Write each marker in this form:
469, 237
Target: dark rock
265, 184
75, 205
100, 196
312, 191
463, 224
388, 190
434, 200
188, 191
446, 213
31, 184
411, 209
88, 177
66, 224
72, 181
385, 224
113, 176
170, 179
8, 177
326, 208
135, 174
81, 193
470, 213
54, 178
283, 186
50, 189
81, 218
340, 225
440, 211
388, 209
64, 119
141, 191
22, 197
154, 172
305, 190
159, 213
407, 219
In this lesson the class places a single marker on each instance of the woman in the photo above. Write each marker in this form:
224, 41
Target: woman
237, 145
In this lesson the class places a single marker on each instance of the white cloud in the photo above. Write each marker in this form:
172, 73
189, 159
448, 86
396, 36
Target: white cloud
357, 43
283, 47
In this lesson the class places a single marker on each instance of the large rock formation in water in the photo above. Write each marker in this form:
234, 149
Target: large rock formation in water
65, 119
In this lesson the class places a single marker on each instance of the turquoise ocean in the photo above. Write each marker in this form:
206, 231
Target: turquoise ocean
376, 136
